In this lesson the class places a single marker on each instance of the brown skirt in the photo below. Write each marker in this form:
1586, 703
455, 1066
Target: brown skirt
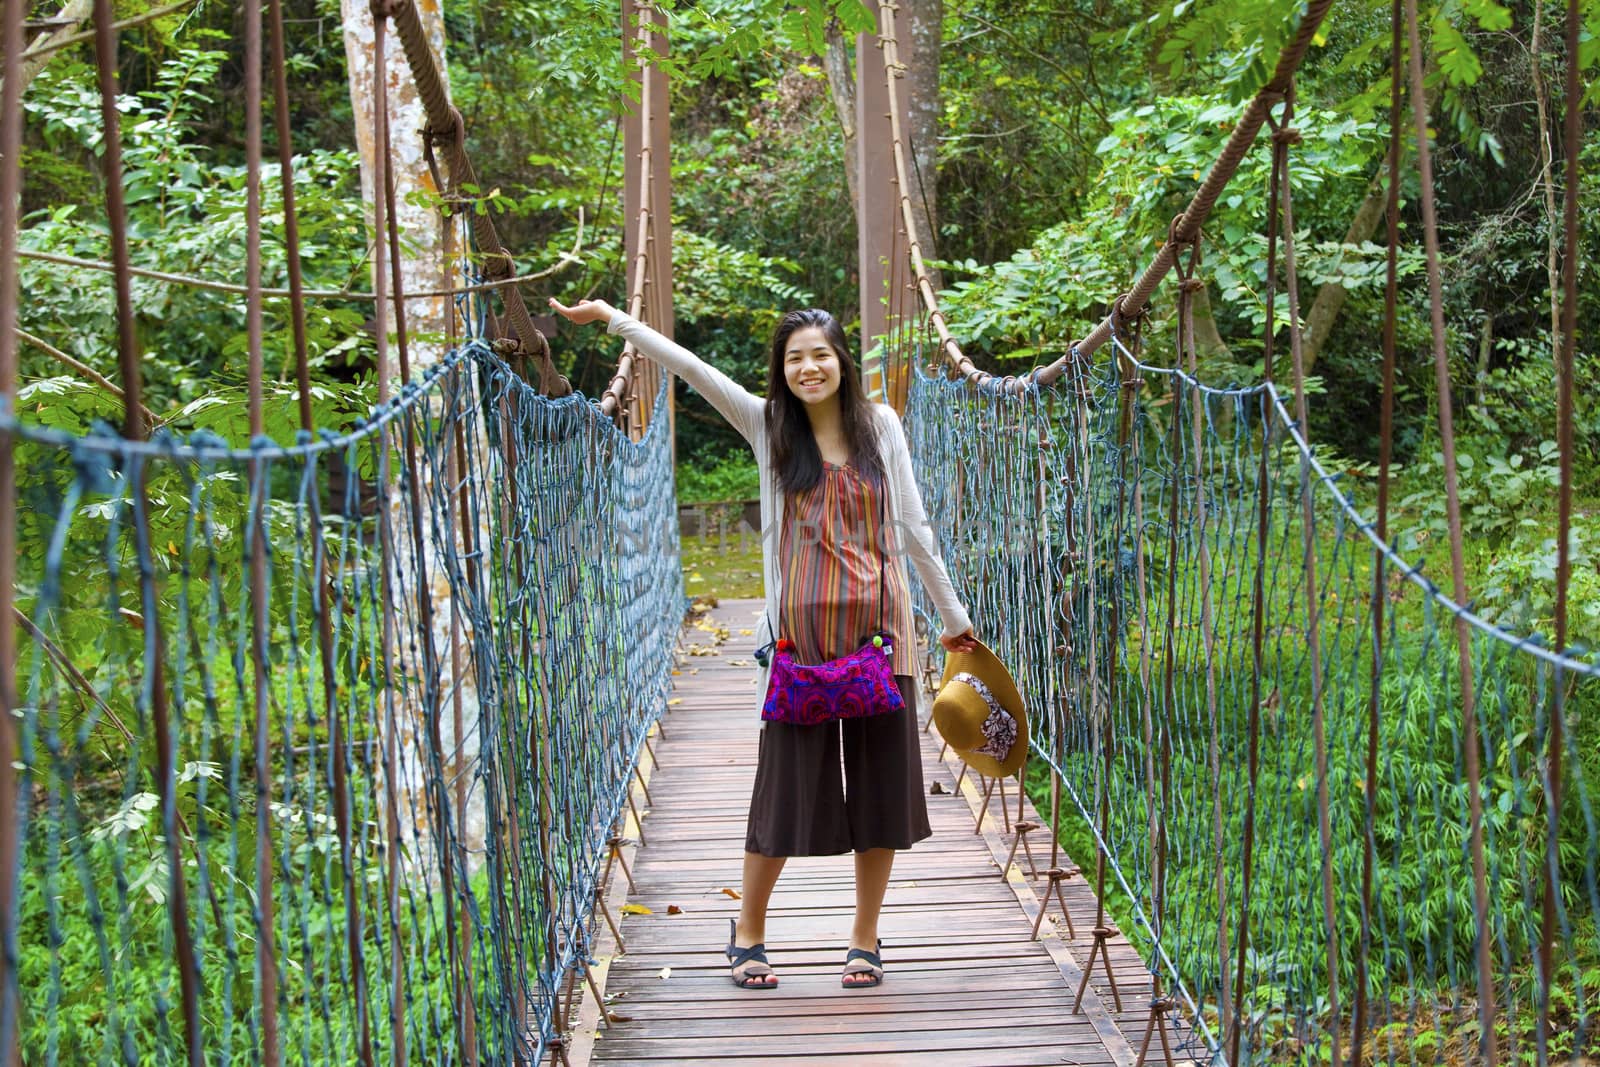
843, 786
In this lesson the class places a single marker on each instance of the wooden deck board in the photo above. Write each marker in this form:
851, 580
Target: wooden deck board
966, 983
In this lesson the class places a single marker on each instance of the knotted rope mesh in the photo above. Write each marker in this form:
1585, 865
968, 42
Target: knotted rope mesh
440, 802
1103, 532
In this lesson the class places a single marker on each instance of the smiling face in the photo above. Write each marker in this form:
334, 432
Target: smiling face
811, 366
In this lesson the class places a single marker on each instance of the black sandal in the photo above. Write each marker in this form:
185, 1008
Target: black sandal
755, 955
873, 969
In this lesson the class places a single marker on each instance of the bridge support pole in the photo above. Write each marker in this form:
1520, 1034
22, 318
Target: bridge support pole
877, 208
647, 185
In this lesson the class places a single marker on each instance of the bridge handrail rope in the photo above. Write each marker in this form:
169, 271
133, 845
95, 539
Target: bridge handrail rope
1264, 959
216, 285
614, 399
1131, 303
564, 643
894, 70
1368, 526
447, 131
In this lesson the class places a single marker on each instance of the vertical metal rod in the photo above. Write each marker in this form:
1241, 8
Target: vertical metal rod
428, 668
133, 428
391, 726
1308, 529
1458, 573
1572, 134
1187, 286
1197, 419
1258, 610
339, 789
457, 465
266, 940
1379, 560
10, 808
465, 1005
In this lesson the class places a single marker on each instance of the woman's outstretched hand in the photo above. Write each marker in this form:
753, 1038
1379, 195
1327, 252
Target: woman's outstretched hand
584, 311
962, 642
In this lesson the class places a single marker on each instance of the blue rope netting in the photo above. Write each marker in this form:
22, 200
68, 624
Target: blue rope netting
1078, 520
451, 740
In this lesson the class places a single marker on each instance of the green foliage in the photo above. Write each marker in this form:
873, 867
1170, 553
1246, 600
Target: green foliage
186, 214
1152, 160
734, 478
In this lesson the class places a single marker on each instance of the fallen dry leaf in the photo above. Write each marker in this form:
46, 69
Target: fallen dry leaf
674, 701
664, 973
636, 909
673, 909
734, 893
745, 633
937, 789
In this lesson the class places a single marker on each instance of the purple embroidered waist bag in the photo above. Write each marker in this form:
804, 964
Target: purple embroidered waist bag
850, 687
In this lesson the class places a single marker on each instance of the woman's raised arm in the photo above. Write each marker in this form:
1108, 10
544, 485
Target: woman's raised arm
743, 410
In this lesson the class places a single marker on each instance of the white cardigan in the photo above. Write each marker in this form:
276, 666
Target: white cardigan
746, 413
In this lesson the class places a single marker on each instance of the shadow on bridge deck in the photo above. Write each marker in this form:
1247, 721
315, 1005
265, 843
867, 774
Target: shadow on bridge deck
966, 983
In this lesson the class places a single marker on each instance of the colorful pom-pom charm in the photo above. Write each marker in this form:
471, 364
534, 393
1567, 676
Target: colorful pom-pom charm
877, 640
785, 645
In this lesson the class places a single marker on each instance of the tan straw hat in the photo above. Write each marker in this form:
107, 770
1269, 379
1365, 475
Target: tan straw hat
979, 711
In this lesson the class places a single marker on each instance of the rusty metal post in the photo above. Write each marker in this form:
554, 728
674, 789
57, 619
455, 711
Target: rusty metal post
133, 428
878, 198
647, 186
10, 198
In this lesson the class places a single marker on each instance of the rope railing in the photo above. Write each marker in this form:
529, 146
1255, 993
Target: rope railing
447, 132
1078, 537
563, 665
323, 749
630, 366
1343, 815
1128, 306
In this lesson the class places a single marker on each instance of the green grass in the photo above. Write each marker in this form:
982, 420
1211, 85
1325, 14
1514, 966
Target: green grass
726, 567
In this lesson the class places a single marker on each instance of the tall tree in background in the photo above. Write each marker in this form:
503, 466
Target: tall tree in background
422, 234
920, 53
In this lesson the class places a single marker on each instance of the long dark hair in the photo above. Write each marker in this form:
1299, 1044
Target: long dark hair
796, 460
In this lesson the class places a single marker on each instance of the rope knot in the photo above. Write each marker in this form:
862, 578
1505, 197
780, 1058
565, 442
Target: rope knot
1286, 135
1176, 238
1191, 285
498, 266
454, 134
384, 9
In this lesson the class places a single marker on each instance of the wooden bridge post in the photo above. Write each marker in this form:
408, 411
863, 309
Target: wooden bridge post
878, 209
658, 200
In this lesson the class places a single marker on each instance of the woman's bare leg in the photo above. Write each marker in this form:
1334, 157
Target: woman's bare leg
872, 882
760, 875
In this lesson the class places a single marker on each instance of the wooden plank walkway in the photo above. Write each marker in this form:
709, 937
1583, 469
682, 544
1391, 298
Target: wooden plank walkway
965, 984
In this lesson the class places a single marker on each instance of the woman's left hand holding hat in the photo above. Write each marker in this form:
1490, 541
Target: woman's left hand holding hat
962, 642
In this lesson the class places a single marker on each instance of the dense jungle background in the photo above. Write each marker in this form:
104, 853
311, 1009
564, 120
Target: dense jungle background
1054, 142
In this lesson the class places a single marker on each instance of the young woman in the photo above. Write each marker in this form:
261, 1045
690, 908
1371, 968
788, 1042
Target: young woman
837, 487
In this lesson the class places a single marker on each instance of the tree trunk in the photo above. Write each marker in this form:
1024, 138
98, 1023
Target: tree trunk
38, 55
842, 90
1552, 214
1207, 338
921, 56
423, 266
1331, 295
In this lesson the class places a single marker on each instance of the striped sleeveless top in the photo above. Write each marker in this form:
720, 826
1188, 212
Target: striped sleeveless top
840, 584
